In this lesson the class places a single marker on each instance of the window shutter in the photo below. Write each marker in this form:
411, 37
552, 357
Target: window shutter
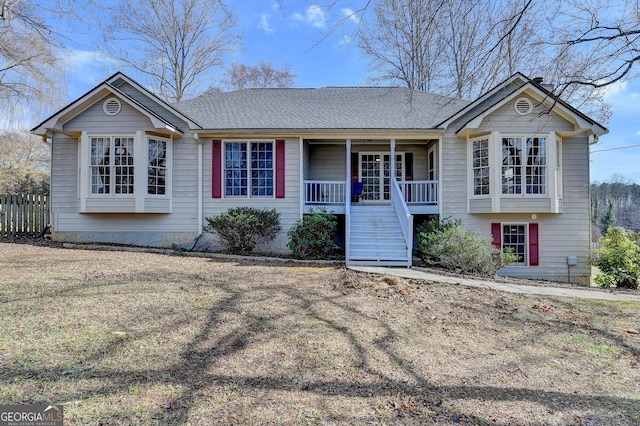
216, 169
280, 168
408, 167
533, 244
496, 230
354, 167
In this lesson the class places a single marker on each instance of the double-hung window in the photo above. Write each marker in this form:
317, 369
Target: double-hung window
112, 167
157, 167
481, 176
524, 165
249, 169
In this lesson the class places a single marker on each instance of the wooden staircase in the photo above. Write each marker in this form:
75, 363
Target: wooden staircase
376, 237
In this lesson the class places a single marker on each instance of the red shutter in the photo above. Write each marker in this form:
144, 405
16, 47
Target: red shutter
496, 230
216, 170
533, 244
280, 168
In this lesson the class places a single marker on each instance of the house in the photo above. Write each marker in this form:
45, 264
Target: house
129, 168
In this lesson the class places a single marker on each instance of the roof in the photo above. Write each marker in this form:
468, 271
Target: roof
322, 108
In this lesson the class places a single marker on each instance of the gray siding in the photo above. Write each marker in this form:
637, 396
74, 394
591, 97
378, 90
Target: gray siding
95, 121
164, 230
289, 207
560, 235
328, 161
505, 119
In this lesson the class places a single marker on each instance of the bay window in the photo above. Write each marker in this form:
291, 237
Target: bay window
481, 178
524, 165
112, 165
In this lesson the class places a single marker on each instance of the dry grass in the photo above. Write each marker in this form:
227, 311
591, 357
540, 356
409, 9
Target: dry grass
136, 338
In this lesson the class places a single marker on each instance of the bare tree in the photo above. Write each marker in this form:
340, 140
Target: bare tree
29, 63
175, 43
263, 75
24, 163
454, 47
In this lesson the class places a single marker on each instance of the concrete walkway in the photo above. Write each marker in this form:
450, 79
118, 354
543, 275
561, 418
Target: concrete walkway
501, 286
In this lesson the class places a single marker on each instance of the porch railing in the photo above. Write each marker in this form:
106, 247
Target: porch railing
324, 192
405, 217
420, 191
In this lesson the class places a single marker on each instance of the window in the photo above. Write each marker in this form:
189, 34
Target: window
249, 169
514, 237
524, 157
521, 238
111, 167
481, 179
157, 167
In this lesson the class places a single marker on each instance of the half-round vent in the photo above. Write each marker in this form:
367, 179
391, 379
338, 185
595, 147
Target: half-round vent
111, 106
523, 106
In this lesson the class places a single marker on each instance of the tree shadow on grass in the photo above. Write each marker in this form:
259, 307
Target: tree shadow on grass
201, 362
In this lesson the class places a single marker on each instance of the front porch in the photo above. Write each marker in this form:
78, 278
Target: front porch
381, 185
420, 196
338, 173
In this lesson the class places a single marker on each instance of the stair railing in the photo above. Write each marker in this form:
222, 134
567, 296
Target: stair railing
404, 216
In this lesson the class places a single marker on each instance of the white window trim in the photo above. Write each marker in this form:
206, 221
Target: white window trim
224, 168
470, 187
169, 168
87, 177
498, 161
526, 242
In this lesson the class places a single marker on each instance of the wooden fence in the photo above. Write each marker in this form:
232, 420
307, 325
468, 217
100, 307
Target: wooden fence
23, 214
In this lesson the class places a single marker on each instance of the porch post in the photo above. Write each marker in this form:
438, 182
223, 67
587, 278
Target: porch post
393, 158
347, 192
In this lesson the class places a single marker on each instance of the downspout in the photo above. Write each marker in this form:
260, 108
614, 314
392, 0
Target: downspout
196, 137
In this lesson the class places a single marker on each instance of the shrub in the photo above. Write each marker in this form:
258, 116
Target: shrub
312, 236
446, 243
618, 259
240, 229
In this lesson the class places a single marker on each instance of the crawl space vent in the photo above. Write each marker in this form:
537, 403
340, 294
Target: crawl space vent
523, 106
111, 106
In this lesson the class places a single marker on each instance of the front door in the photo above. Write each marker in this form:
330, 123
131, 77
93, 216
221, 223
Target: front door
375, 173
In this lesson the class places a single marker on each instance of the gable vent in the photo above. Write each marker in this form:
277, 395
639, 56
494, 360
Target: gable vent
111, 106
523, 106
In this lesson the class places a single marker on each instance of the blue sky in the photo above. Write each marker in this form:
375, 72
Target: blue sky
293, 34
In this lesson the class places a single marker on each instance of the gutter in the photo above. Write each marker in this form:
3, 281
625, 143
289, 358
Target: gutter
196, 137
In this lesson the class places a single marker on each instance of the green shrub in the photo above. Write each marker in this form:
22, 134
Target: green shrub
618, 259
312, 236
447, 244
241, 229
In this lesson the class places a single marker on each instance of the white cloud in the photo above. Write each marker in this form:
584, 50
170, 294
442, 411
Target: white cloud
264, 24
350, 15
612, 90
314, 15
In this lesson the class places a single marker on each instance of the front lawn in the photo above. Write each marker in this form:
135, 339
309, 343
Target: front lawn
137, 338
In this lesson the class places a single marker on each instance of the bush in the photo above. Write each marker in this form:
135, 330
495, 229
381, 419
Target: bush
312, 236
447, 244
241, 229
618, 259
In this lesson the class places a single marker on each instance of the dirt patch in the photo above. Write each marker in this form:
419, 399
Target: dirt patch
139, 338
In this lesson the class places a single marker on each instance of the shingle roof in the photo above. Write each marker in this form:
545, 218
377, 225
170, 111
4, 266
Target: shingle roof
323, 108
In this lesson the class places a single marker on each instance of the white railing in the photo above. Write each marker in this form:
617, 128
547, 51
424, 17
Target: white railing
324, 192
420, 191
405, 217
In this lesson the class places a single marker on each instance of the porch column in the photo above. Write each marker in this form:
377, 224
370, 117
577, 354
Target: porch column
393, 159
348, 177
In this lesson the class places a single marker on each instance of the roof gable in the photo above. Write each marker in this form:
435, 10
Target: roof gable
55, 122
473, 114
